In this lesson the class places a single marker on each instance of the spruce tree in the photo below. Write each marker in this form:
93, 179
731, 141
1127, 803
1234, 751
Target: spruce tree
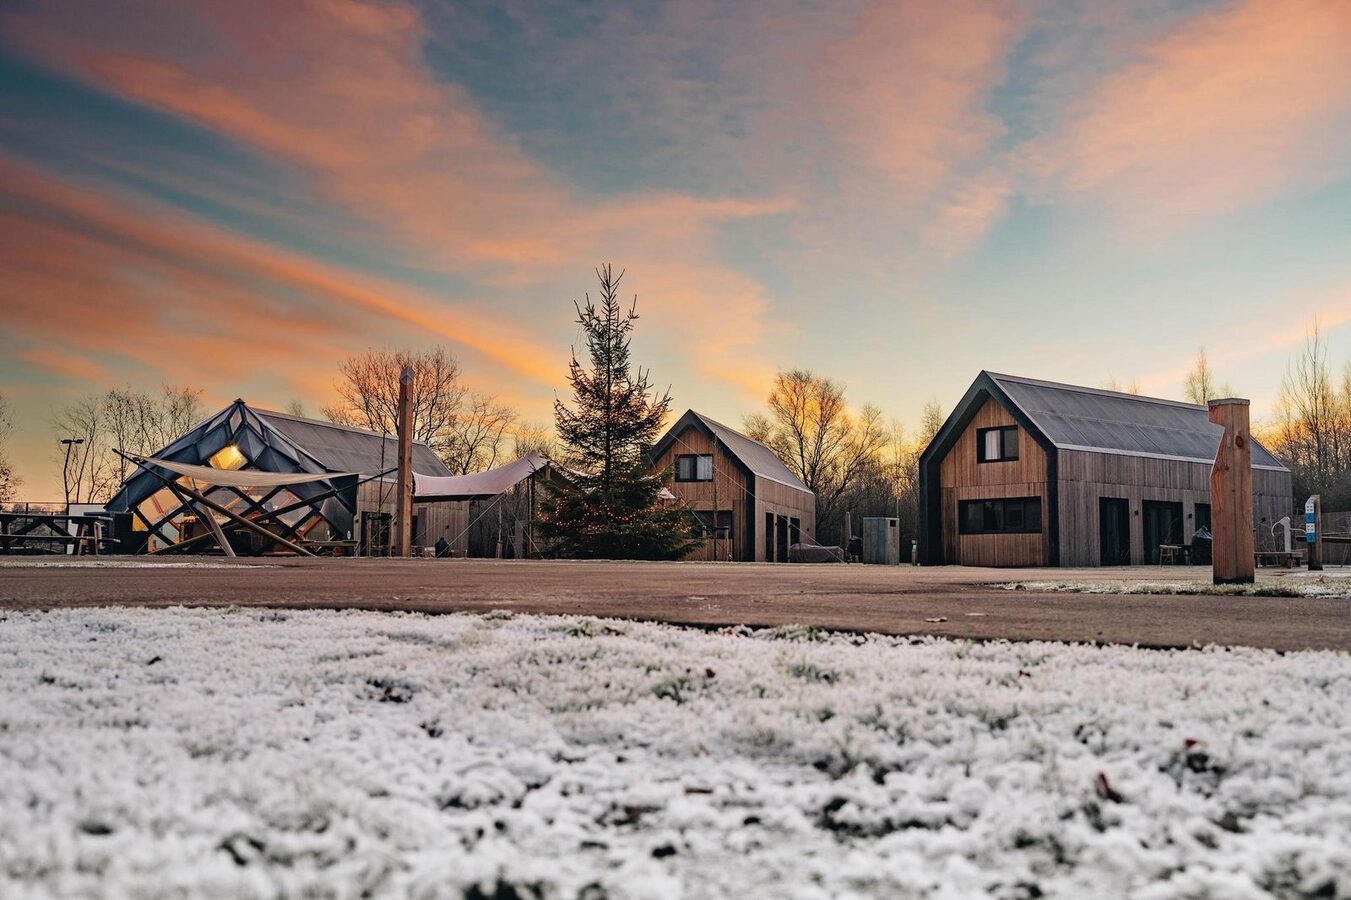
612, 510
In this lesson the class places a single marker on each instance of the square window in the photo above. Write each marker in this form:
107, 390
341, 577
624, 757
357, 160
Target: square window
694, 467
997, 444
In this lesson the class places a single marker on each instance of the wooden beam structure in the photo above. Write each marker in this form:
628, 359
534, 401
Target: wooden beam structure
403, 501
216, 507
265, 516
1233, 559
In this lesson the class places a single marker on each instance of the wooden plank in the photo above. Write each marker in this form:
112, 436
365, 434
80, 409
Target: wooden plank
1231, 495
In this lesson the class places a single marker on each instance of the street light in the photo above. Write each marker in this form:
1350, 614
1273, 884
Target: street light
65, 468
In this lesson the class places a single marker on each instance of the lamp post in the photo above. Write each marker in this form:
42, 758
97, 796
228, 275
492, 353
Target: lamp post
65, 467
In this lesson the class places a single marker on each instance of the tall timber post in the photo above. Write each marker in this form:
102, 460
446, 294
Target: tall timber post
403, 504
1232, 554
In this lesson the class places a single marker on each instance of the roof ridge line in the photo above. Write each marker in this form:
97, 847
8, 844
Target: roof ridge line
1101, 392
355, 429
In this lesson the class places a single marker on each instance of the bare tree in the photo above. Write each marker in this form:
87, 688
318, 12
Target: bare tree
1200, 386
295, 407
9, 481
1312, 433
930, 421
464, 428
1130, 387
532, 437
809, 426
145, 423
121, 419
479, 435
88, 472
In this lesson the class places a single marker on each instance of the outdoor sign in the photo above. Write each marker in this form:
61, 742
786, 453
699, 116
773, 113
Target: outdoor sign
1310, 524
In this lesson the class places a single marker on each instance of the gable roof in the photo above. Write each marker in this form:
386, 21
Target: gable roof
758, 459
1070, 417
343, 448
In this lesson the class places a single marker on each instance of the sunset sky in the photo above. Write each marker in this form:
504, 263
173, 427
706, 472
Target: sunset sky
235, 195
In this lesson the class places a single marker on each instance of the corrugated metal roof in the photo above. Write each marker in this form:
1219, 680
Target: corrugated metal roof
761, 460
1081, 418
343, 448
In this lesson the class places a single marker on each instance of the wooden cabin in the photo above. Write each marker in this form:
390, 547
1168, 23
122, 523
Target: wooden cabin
345, 514
745, 501
1035, 473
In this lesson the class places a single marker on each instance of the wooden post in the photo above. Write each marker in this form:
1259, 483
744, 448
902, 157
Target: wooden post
403, 502
1313, 538
1233, 559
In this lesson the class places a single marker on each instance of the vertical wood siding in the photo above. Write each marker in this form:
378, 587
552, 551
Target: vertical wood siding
963, 478
433, 519
727, 491
747, 501
1085, 476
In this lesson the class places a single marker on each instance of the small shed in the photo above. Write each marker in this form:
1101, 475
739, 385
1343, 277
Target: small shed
497, 508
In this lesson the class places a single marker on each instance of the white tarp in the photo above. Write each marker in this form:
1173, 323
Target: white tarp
480, 484
242, 478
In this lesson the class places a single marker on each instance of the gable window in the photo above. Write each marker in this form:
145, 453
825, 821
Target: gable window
1006, 515
997, 444
694, 467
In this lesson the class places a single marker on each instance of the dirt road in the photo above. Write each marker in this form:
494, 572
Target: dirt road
958, 602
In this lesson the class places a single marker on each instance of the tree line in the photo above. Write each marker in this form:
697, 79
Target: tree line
854, 460
468, 430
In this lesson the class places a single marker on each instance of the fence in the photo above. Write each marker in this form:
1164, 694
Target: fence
37, 530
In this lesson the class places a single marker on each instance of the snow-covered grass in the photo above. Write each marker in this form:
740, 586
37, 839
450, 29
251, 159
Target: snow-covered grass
1314, 586
234, 753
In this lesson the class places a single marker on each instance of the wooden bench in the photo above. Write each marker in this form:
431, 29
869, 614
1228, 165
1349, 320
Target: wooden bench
1290, 560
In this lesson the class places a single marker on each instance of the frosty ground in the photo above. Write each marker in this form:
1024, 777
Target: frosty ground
238, 753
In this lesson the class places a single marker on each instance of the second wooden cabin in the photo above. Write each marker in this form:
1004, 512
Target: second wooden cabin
747, 504
1035, 473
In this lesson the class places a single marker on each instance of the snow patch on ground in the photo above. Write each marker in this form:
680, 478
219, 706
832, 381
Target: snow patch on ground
233, 753
1320, 588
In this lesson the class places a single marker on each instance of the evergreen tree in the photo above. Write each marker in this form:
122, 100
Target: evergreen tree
613, 510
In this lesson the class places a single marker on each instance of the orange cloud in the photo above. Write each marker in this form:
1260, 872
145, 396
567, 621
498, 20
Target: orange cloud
1232, 109
139, 280
65, 365
373, 131
896, 114
905, 91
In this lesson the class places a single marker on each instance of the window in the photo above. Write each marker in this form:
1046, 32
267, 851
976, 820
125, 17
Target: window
1013, 515
704, 524
997, 444
1202, 517
228, 457
691, 467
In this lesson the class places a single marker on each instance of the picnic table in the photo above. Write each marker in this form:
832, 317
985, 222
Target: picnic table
1174, 554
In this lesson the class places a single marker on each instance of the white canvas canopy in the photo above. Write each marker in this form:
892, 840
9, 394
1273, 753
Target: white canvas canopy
480, 485
241, 478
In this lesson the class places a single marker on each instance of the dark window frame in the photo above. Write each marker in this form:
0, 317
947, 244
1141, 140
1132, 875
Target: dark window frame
712, 526
1028, 510
696, 457
1004, 443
